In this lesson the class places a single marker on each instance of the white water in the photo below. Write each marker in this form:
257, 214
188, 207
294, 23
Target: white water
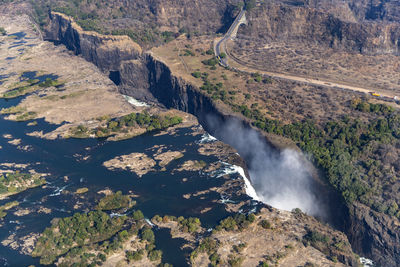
149, 222
207, 138
231, 169
250, 191
58, 191
135, 102
114, 214
366, 262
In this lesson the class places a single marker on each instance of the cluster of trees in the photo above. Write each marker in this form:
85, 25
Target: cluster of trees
17, 182
210, 62
147, 235
144, 120
76, 231
210, 246
114, 201
347, 150
237, 222
151, 122
265, 224
365, 106
215, 90
249, 4
74, 238
187, 225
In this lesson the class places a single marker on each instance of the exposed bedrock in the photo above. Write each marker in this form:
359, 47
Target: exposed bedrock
276, 21
142, 75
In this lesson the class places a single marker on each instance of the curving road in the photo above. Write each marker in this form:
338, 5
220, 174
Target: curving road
240, 65
234, 27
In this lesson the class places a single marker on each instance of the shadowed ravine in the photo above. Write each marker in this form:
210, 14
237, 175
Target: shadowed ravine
277, 176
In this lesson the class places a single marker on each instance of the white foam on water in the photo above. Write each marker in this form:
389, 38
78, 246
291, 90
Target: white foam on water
250, 191
366, 262
58, 191
113, 214
149, 222
16, 222
225, 200
135, 102
231, 169
207, 138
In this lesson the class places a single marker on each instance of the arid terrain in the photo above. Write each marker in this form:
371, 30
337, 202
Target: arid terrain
317, 77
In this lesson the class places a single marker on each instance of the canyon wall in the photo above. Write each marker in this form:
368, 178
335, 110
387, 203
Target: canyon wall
105, 51
142, 74
276, 21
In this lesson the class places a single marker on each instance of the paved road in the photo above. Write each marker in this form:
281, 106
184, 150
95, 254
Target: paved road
228, 35
246, 67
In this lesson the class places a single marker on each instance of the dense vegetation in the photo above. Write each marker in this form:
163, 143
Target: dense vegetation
237, 222
122, 124
87, 239
12, 183
210, 245
188, 225
78, 230
348, 151
114, 201
359, 157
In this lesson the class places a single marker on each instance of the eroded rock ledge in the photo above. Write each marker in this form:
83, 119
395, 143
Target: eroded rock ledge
151, 74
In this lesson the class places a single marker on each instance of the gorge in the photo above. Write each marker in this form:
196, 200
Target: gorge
324, 157
146, 77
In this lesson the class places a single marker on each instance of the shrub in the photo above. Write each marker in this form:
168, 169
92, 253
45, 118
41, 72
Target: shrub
265, 224
210, 62
210, 51
114, 202
134, 256
196, 74
235, 261
155, 255
148, 235
137, 215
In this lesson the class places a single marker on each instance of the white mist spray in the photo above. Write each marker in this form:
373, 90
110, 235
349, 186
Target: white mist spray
280, 179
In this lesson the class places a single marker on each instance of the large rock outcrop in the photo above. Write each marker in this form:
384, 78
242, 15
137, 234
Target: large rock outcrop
377, 235
105, 51
371, 234
277, 21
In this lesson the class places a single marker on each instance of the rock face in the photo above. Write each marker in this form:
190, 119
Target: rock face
377, 235
105, 51
276, 21
371, 234
382, 10
196, 16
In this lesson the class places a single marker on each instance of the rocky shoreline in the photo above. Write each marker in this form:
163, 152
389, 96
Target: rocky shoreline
175, 92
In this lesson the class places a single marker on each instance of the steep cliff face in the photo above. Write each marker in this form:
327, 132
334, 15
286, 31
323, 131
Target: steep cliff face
106, 52
276, 21
371, 234
377, 235
355, 10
